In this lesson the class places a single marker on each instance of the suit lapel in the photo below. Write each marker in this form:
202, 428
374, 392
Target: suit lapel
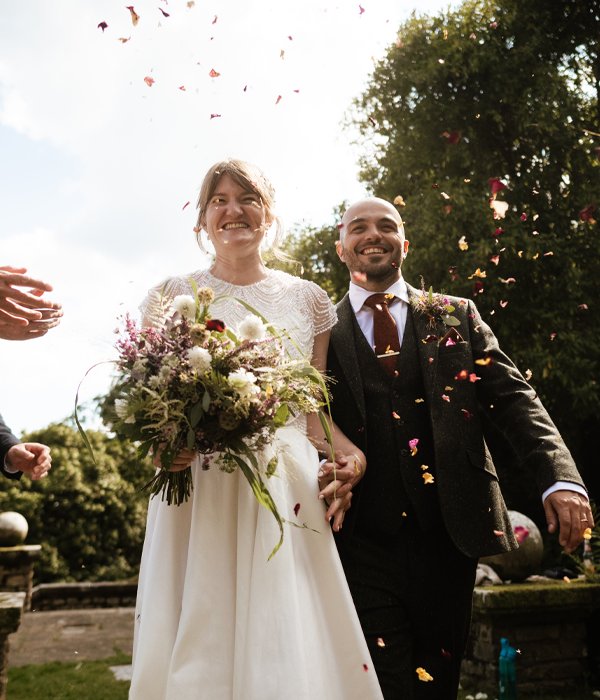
343, 342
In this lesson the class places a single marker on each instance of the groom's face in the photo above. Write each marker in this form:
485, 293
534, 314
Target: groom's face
372, 241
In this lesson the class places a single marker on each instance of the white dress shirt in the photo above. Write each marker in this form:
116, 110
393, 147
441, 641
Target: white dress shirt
399, 309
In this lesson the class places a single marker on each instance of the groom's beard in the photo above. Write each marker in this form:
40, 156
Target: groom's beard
378, 273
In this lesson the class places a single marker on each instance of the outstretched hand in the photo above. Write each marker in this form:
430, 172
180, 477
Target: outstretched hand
25, 315
32, 458
572, 512
336, 482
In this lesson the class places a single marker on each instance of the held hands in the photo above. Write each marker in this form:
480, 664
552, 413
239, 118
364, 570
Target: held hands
572, 511
183, 460
336, 483
32, 458
24, 315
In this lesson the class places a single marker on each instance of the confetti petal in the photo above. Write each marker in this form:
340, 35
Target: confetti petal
484, 362
278, 100
149, 81
582, 307
185, 205
214, 116
452, 137
419, 400
462, 243
102, 26
165, 14
446, 397
496, 185
477, 288
182, 88
587, 533
478, 273
521, 533
500, 208
474, 378
296, 509
361, 8
463, 374
498, 533
399, 201
428, 478
495, 259
552, 336
214, 20
528, 374
123, 40
586, 214
359, 276
423, 675
213, 73
134, 16
446, 654
468, 415
366, 668
380, 642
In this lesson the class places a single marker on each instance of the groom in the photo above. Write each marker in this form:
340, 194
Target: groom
408, 394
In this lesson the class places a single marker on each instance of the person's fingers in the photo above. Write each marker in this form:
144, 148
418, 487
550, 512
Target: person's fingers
551, 517
10, 268
11, 311
335, 489
336, 510
564, 519
21, 280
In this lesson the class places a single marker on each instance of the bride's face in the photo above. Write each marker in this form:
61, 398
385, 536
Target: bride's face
235, 219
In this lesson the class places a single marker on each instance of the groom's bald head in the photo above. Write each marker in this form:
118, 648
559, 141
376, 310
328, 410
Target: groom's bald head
368, 205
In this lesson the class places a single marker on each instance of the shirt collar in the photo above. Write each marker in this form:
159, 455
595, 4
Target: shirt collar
358, 295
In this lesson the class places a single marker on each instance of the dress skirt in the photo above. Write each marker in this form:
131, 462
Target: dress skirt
215, 620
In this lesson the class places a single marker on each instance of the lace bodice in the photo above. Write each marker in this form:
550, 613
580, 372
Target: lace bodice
300, 307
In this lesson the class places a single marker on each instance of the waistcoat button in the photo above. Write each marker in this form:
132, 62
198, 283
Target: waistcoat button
396, 394
404, 452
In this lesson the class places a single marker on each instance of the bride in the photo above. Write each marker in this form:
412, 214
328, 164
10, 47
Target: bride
214, 619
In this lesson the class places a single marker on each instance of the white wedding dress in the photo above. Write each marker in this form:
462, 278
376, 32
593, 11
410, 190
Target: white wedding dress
214, 619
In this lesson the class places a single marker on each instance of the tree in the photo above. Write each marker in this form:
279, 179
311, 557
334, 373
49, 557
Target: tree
89, 518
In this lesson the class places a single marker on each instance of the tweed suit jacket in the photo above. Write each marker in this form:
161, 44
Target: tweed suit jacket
7, 440
470, 498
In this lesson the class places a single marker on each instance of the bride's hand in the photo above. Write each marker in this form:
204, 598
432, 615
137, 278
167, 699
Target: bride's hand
181, 462
336, 482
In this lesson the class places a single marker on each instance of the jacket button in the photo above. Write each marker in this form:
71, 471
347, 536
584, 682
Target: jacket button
400, 422
404, 452
396, 394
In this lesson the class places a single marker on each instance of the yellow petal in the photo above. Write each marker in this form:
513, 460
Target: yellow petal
587, 535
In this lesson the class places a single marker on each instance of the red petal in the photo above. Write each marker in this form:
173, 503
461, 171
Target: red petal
296, 509
586, 214
214, 324
102, 26
185, 205
463, 374
213, 73
495, 185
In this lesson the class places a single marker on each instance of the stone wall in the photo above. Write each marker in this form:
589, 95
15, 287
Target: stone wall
545, 622
16, 569
75, 596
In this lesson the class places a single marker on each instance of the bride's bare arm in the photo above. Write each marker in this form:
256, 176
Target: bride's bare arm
336, 484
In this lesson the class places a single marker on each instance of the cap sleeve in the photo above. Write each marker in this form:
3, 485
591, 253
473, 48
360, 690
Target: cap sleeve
161, 296
320, 310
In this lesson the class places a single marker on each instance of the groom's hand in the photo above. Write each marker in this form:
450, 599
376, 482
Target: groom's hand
336, 481
572, 512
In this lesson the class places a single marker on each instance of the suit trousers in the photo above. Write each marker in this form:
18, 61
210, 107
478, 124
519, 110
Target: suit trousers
413, 593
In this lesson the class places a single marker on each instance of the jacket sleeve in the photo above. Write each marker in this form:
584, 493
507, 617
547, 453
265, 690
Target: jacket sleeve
513, 406
7, 440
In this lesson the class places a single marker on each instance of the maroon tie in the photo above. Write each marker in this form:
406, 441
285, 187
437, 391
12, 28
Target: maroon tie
385, 330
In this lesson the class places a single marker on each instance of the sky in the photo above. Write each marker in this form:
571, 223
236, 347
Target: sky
96, 165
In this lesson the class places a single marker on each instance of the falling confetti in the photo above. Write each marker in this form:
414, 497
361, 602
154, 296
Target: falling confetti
484, 362
361, 8
419, 400
424, 467
282, 54
296, 509
498, 232
124, 41
430, 339
413, 446
165, 14
521, 533
500, 208
135, 18
495, 259
214, 20
396, 416
446, 655
477, 288
478, 273
399, 201
498, 533
191, 4
380, 642
566, 579
423, 675
278, 100
468, 415
508, 281
474, 378
366, 668
446, 397
495, 185
528, 374
462, 244
149, 81
547, 254
102, 26
213, 73
586, 214
372, 121
582, 307
444, 195
359, 276
428, 479
214, 116
552, 336
587, 533
463, 374
182, 88
452, 137
185, 205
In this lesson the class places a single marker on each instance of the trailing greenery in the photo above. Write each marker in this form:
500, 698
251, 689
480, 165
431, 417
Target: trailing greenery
90, 519
92, 680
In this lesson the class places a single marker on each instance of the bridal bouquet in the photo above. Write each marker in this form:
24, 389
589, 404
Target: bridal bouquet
192, 383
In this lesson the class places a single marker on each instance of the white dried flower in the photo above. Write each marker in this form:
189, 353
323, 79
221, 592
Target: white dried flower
185, 305
122, 410
140, 365
243, 382
200, 359
155, 382
170, 361
252, 328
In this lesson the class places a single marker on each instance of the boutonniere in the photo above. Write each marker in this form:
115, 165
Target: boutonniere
435, 306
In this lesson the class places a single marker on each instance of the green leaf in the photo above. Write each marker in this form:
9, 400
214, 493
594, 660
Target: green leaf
191, 439
430, 295
143, 449
272, 466
196, 414
195, 288
206, 401
232, 336
450, 321
282, 415
262, 495
449, 308
239, 446
327, 430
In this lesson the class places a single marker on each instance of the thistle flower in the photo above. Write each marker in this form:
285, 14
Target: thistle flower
200, 359
185, 306
122, 410
252, 328
205, 295
199, 334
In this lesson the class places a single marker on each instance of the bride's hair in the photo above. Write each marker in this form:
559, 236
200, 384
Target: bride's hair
250, 178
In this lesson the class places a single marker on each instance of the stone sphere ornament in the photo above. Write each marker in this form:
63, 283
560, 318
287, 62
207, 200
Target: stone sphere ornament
13, 529
523, 562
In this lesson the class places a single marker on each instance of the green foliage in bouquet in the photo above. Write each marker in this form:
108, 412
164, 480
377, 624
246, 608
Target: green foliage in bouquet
192, 383
88, 515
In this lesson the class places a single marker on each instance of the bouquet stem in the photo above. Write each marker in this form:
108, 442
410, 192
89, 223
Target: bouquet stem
175, 486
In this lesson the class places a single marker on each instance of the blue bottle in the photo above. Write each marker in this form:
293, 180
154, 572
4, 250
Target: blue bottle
508, 680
